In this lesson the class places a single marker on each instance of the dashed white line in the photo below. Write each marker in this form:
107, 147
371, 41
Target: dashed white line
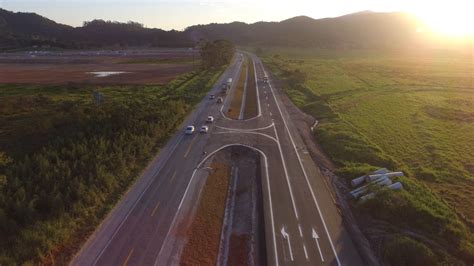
305, 252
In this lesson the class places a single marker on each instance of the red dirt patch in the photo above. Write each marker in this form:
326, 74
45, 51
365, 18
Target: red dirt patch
204, 234
239, 249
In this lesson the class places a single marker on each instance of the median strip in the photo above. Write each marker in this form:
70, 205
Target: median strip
236, 103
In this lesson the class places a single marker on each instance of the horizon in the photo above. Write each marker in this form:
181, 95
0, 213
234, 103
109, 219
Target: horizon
176, 15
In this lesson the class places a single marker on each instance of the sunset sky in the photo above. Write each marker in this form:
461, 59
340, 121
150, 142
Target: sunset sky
447, 16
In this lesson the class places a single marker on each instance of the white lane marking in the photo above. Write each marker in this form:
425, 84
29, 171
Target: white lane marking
286, 236
251, 129
286, 174
316, 238
243, 132
268, 188
187, 188
305, 175
174, 218
305, 252
301, 231
139, 198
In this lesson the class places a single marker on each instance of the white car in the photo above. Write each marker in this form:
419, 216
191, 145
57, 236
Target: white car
212, 96
210, 119
189, 130
204, 129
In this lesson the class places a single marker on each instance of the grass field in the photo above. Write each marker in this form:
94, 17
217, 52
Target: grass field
236, 103
409, 111
65, 161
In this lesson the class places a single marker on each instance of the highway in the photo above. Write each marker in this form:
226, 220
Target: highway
302, 224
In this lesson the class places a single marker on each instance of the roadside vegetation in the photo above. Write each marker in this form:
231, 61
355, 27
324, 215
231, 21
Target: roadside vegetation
408, 111
236, 103
65, 160
204, 235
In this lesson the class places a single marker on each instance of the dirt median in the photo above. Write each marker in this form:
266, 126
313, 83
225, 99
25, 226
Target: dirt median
251, 109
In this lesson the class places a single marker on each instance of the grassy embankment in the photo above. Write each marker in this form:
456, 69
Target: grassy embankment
408, 111
202, 247
236, 103
65, 162
251, 109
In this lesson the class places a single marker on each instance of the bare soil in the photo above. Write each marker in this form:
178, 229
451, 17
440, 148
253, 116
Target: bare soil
59, 68
205, 231
247, 233
236, 103
228, 227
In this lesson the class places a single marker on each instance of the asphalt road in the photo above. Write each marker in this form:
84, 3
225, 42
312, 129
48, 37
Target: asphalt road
302, 224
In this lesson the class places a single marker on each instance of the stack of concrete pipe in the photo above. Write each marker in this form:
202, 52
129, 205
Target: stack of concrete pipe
361, 179
394, 186
381, 177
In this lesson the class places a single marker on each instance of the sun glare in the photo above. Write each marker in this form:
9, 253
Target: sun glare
452, 18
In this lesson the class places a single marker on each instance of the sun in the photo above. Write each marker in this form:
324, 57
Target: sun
453, 18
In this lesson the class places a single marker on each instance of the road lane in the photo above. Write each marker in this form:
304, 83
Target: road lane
302, 225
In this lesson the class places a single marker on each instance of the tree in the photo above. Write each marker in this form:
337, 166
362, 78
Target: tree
216, 53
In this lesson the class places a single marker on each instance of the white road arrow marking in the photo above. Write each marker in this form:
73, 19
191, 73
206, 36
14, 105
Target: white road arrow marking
316, 238
287, 237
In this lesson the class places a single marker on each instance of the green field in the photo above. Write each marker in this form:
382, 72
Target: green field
408, 111
65, 161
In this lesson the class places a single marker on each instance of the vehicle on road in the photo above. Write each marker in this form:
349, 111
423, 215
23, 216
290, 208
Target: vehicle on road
210, 119
212, 96
189, 130
219, 100
204, 129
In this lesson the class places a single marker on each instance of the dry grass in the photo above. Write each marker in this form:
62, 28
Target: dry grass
234, 109
251, 96
204, 235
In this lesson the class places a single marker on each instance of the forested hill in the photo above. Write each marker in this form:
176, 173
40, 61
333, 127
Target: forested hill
20, 30
358, 30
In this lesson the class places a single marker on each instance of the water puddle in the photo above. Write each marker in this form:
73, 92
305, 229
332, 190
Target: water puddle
103, 74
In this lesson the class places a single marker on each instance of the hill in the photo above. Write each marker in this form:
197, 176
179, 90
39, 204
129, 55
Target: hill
21, 30
358, 30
